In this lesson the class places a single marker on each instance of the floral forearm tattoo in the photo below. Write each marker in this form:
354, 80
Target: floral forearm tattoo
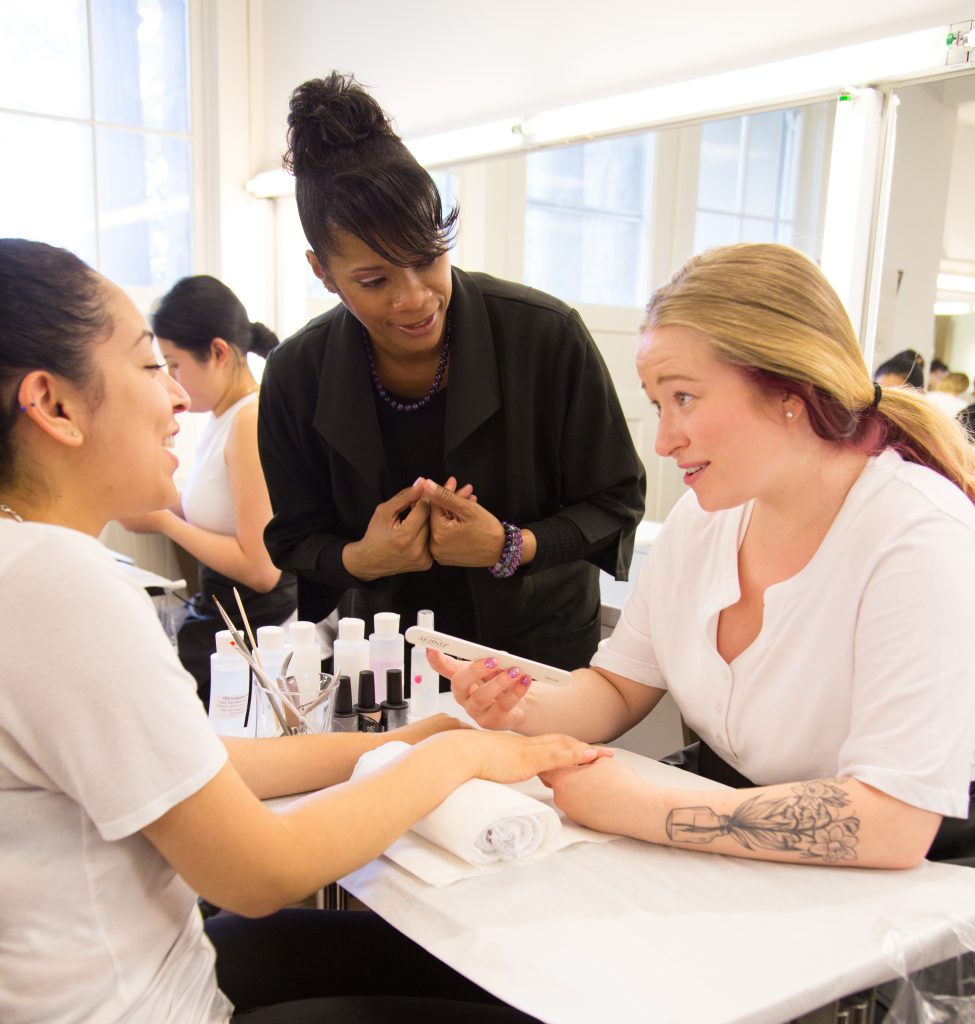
815, 822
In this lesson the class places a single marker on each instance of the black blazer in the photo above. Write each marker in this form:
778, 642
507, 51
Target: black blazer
532, 421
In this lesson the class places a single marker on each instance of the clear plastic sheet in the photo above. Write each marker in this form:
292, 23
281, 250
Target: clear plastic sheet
939, 993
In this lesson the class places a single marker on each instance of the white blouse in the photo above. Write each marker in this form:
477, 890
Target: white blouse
863, 664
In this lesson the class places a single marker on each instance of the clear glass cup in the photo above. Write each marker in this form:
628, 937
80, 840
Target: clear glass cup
299, 710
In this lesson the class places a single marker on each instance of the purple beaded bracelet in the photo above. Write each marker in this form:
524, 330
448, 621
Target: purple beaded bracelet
510, 557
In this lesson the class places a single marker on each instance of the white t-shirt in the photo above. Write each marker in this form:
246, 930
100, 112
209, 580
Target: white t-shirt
206, 497
863, 664
101, 733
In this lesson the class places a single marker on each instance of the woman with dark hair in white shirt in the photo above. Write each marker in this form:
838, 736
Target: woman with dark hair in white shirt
118, 803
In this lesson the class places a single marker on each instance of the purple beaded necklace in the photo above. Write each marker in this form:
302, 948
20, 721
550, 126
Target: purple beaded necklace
434, 387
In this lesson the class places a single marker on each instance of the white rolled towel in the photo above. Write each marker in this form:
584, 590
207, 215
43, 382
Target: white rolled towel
481, 822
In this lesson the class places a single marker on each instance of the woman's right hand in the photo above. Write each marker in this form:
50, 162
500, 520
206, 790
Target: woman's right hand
503, 757
490, 695
396, 540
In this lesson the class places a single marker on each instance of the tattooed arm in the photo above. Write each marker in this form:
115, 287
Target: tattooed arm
826, 821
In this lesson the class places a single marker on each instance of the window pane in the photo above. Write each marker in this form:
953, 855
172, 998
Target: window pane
755, 229
44, 202
555, 176
141, 63
615, 175
607, 175
771, 196
548, 232
786, 234
144, 201
792, 161
446, 182
715, 229
717, 185
44, 57
763, 163
585, 258
613, 270
586, 220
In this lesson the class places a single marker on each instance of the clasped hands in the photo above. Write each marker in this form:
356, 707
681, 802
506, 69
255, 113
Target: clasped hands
425, 523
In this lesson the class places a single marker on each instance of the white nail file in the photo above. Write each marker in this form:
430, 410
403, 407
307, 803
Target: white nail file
458, 648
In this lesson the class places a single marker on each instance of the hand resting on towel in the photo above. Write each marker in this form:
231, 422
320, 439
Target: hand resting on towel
481, 822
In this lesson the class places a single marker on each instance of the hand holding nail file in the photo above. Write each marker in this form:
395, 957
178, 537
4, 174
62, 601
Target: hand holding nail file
470, 651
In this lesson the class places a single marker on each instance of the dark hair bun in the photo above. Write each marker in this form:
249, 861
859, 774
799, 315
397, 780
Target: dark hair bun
330, 113
262, 340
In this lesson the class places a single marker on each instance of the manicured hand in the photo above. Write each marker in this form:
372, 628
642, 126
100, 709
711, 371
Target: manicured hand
491, 696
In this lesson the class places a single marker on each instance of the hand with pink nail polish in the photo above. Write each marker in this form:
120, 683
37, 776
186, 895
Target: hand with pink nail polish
491, 696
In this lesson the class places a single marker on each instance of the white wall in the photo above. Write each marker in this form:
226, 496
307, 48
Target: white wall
959, 228
443, 65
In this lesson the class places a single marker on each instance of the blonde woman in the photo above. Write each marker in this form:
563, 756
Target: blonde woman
805, 604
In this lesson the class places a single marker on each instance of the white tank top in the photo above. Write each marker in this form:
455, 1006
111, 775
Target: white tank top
207, 501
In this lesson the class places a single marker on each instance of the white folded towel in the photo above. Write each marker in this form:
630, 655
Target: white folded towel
481, 822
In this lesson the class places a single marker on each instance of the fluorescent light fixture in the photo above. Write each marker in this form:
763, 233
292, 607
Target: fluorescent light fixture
491, 139
956, 283
781, 81
952, 308
271, 184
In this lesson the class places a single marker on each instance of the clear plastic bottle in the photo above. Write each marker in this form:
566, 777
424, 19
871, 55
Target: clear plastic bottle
272, 649
350, 651
306, 655
386, 647
229, 688
424, 682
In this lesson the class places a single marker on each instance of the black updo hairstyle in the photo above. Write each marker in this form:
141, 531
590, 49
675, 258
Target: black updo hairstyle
200, 308
352, 172
52, 310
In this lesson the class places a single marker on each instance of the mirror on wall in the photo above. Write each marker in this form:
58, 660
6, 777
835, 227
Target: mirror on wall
927, 286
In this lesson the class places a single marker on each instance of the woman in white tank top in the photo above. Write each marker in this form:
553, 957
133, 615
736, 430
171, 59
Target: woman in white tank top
219, 517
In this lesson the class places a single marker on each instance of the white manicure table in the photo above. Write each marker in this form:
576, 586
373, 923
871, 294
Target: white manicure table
626, 932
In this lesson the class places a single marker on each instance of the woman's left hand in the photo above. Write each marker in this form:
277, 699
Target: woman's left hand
462, 532
598, 795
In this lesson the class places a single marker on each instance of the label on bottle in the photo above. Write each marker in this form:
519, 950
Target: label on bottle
228, 705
